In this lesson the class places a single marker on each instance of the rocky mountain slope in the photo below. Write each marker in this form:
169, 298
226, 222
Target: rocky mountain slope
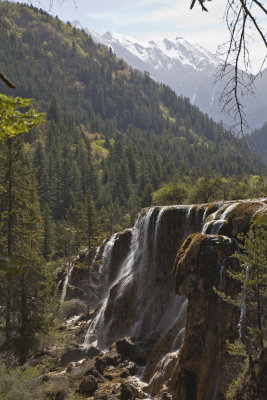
188, 69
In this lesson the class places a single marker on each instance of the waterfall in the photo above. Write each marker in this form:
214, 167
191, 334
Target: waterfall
137, 255
156, 239
217, 219
104, 270
142, 282
66, 281
219, 223
137, 290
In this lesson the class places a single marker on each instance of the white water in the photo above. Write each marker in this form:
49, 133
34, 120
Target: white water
90, 335
217, 219
65, 284
137, 252
156, 240
136, 272
104, 269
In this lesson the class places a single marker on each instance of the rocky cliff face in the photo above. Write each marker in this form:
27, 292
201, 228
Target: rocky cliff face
173, 326
200, 266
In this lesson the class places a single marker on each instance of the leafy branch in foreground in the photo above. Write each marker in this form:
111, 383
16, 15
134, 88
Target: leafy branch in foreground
13, 121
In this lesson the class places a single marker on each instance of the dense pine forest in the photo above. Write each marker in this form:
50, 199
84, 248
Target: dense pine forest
258, 142
114, 141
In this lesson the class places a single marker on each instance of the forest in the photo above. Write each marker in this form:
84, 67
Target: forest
100, 142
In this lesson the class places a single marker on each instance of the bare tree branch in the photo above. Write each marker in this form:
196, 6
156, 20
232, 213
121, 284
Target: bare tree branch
7, 81
201, 3
241, 17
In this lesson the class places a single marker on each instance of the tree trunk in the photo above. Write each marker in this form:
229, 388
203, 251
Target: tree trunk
23, 329
9, 239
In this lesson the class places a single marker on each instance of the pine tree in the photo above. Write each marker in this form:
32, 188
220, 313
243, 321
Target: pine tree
86, 231
22, 230
252, 278
26, 294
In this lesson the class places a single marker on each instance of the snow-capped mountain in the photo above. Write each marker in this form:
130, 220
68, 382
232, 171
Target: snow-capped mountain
176, 62
187, 68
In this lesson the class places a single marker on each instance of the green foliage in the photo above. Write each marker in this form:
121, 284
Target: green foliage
258, 142
69, 308
12, 120
111, 130
252, 278
175, 192
237, 349
210, 188
27, 298
16, 384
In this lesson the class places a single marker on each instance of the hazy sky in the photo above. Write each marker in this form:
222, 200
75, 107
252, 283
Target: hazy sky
150, 19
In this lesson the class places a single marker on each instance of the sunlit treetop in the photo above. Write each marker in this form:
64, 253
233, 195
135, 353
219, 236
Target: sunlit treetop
13, 121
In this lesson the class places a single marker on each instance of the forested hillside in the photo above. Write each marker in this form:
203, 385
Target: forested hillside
110, 129
258, 142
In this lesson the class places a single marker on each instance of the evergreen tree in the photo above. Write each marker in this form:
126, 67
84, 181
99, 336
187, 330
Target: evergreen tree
252, 277
24, 296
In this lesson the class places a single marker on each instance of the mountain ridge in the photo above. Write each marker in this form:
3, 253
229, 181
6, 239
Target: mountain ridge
188, 69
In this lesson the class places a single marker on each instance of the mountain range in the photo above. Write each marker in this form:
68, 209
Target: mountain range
188, 69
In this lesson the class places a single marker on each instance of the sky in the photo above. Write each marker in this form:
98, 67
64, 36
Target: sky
152, 19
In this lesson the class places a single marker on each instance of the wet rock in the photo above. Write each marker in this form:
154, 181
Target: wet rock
166, 396
111, 358
120, 250
108, 376
126, 392
136, 350
241, 217
108, 359
88, 385
92, 371
75, 293
72, 355
131, 367
125, 373
100, 364
93, 351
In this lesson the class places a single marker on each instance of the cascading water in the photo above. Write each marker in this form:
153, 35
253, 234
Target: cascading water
137, 274
218, 218
219, 223
91, 334
96, 330
65, 284
137, 288
159, 217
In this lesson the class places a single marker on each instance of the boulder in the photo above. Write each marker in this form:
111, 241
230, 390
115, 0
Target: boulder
88, 385
126, 392
136, 350
72, 355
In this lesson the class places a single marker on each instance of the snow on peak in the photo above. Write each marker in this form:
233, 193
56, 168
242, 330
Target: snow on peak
159, 54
